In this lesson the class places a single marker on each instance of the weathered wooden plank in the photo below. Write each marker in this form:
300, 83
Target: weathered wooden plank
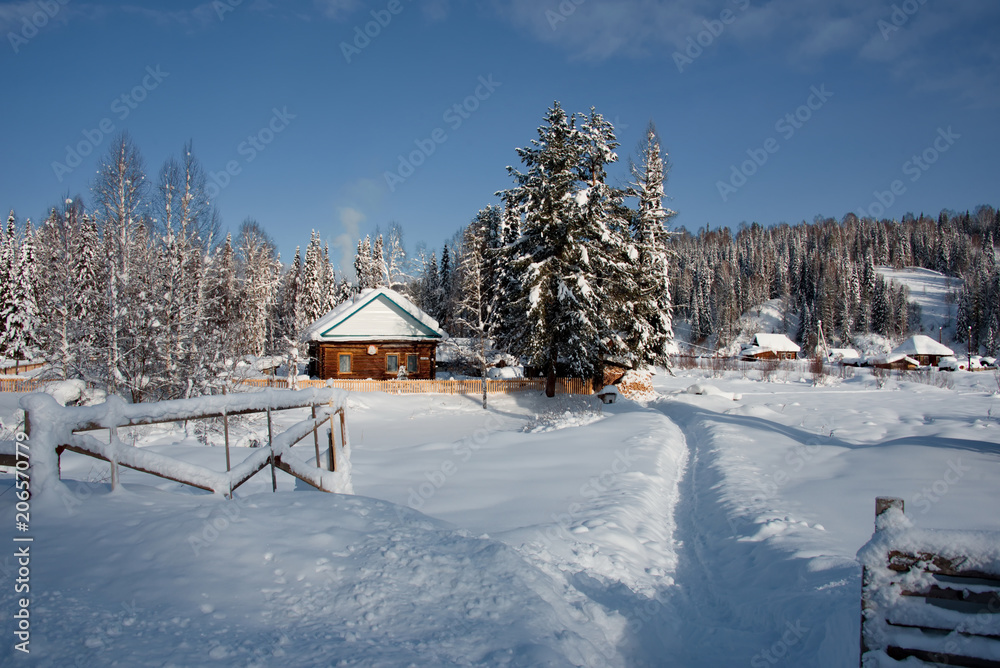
901, 562
989, 599
942, 658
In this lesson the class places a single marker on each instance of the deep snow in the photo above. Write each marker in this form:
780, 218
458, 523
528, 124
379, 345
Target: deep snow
693, 530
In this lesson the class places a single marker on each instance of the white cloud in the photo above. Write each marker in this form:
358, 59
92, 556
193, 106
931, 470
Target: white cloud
337, 9
935, 41
13, 14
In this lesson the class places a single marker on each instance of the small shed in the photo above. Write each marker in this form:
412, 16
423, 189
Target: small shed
845, 356
770, 347
894, 360
923, 349
379, 334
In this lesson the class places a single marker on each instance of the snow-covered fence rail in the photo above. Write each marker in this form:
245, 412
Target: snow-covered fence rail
471, 386
54, 429
929, 595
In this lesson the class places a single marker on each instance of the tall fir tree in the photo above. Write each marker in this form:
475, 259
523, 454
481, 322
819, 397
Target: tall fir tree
8, 267
558, 257
649, 333
22, 337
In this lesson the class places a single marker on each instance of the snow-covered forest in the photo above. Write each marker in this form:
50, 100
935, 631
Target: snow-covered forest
138, 290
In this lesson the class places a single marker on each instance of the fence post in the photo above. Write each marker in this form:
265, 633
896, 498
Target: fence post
225, 430
882, 504
114, 459
270, 446
343, 428
316, 435
332, 456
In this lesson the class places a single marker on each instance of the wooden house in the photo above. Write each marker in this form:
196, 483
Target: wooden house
379, 334
895, 361
923, 349
770, 347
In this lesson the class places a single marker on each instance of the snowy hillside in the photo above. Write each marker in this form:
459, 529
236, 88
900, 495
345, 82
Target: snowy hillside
935, 294
695, 530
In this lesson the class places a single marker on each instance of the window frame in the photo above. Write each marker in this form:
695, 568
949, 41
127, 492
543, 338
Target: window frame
350, 362
387, 356
416, 363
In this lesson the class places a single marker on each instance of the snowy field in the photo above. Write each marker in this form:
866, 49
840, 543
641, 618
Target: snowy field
714, 529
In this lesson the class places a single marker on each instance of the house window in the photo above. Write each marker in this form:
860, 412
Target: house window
345, 362
392, 363
411, 363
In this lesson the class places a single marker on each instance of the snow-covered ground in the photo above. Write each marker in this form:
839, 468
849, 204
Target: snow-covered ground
693, 530
934, 292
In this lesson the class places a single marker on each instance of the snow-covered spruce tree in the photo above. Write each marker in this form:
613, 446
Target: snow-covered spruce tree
396, 262
557, 257
503, 309
427, 294
364, 265
222, 303
490, 221
605, 228
21, 336
314, 295
287, 303
649, 333
379, 268
90, 278
336, 288
8, 263
446, 300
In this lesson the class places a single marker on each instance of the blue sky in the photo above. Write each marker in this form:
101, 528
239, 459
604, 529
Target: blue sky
771, 110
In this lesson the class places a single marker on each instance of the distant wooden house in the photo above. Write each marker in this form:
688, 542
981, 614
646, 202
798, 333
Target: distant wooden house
770, 347
923, 349
379, 334
894, 360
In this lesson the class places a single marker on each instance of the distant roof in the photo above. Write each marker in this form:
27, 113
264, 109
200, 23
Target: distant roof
375, 315
778, 343
892, 358
920, 344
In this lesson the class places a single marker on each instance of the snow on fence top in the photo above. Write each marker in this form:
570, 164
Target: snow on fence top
52, 428
929, 594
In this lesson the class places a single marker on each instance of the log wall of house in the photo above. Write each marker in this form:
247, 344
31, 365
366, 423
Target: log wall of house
326, 358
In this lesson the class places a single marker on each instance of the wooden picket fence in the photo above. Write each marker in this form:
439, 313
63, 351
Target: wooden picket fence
928, 597
21, 384
8, 368
493, 386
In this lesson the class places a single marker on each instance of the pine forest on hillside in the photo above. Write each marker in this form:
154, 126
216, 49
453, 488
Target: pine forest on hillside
140, 292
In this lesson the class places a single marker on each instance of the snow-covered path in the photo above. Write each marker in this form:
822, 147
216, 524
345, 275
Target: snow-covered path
741, 599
